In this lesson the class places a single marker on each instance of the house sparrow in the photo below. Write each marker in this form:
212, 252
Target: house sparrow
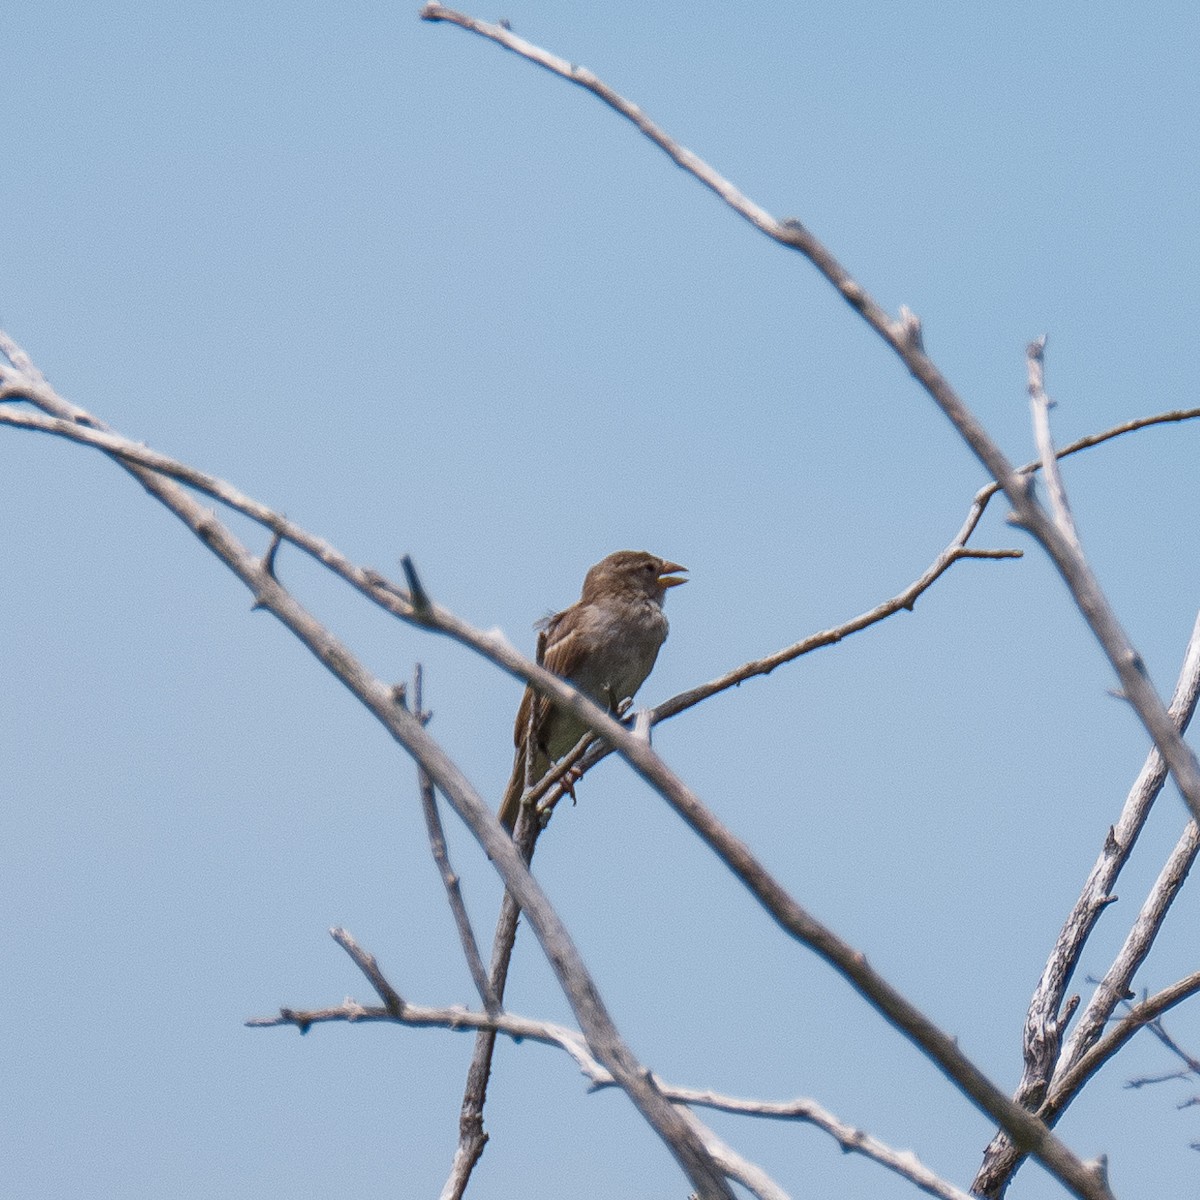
605, 644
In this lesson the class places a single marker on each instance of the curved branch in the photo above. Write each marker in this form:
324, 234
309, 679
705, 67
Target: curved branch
1026, 1131
903, 336
605, 1040
380, 591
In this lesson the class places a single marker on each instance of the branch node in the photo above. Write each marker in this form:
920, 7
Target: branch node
854, 294
1098, 1166
907, 330
207, 528
793, 232
292, 1017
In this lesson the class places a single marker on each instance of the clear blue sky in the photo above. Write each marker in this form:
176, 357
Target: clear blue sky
427, 299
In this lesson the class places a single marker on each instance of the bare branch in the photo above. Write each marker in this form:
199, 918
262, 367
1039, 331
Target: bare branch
1096, 439
397, 1010
1040, 405
1047, 1018
379, 590
1067, 1085
472, 1137
1026, 1131
1189, 1070
1117, 1035
750, 1175
851, 1139
1117, 980
1191, 1064
899, 335
379, 699
393, 1002
441, 856
905, 600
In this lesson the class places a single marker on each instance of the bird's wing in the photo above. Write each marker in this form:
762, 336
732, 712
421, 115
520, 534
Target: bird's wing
566, 649
563, 647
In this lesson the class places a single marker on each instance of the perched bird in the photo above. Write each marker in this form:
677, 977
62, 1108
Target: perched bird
605, 644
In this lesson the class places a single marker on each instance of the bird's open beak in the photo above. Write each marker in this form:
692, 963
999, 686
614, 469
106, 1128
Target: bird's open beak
668, 576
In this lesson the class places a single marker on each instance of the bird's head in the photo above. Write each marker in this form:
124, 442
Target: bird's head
632, 572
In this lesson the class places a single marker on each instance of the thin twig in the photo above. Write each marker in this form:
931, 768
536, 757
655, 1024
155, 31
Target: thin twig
1116, 1036
849, 1138
737, 1167
393, 1002
531, 820
472, 1137
441, 856
1040, 405
902, 601
1191, 1064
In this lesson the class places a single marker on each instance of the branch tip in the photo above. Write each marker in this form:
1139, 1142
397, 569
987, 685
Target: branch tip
420, 598
268, 562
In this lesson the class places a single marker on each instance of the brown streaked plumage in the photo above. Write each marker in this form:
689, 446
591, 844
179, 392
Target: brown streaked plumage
605, 644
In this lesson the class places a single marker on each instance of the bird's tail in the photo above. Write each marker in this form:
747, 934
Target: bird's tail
510, 806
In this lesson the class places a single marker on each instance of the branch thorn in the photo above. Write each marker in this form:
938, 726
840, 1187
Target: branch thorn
268, 561
420, 597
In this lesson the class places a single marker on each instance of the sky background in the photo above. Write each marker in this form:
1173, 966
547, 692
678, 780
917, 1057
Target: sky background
428, 299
